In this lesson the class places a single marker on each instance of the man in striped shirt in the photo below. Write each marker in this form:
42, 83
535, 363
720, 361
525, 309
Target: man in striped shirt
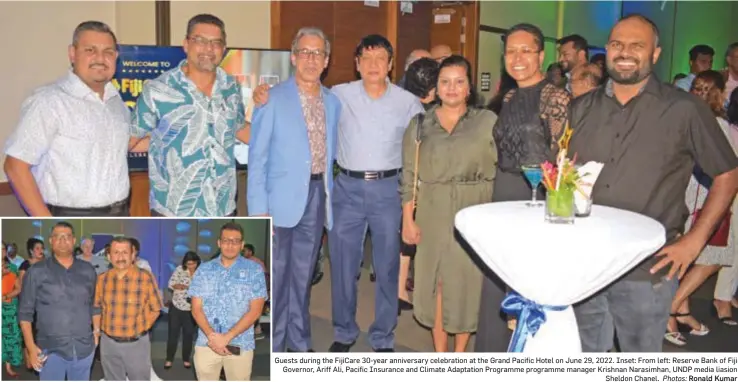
129, 299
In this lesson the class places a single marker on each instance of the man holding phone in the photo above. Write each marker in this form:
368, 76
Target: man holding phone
228, 295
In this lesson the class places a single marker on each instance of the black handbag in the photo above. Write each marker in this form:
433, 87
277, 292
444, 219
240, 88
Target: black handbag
405, 248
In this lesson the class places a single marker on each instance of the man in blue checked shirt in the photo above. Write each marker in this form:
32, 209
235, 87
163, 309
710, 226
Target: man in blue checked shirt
228, 295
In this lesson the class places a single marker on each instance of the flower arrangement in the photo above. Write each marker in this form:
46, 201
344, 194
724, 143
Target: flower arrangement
561, 181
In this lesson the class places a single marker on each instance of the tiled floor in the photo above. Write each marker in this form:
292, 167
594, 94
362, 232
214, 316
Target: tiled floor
260, 371
411, 337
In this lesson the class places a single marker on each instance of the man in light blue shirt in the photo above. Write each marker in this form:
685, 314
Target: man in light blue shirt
700, 59
228, 295
374, 116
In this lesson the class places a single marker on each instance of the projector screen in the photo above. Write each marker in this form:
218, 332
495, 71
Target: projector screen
252, 68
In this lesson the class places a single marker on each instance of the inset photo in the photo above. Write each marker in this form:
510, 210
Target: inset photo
136, 299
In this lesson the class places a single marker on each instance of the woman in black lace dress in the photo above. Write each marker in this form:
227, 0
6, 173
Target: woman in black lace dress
532, 118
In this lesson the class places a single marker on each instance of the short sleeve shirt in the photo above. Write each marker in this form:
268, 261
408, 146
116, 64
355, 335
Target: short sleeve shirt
226, 295
192, 167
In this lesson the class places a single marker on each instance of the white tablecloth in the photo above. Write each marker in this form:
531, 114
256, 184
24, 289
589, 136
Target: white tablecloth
558, 264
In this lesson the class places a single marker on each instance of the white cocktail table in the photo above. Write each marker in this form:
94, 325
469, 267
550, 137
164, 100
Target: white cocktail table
556, 265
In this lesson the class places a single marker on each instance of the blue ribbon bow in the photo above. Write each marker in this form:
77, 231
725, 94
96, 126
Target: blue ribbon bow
530, 316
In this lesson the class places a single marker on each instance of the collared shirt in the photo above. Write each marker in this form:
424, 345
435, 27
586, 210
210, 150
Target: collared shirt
370, 130
649, 148
179, 297
686, 82
226, 295
75, 142
130, 305
100, 263
192, 167
62, 300
314, 113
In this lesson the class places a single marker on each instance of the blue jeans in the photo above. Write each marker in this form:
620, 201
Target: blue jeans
57, 368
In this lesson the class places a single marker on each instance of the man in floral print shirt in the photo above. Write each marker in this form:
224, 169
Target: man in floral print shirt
228, 295
194, 114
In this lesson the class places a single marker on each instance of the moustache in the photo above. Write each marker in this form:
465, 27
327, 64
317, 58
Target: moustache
98, 65
621, 58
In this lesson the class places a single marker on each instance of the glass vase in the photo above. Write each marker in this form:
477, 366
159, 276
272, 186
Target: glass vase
560, 206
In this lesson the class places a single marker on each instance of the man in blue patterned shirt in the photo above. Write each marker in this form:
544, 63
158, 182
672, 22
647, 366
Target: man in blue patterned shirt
194, 113
228, 295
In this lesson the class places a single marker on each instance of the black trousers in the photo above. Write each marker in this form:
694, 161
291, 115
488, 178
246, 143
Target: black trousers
180, 320
116, 209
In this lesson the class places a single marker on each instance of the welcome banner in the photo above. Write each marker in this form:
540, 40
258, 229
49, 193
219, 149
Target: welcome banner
251, 67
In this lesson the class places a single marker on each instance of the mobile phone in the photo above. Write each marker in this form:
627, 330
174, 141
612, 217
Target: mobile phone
235, 350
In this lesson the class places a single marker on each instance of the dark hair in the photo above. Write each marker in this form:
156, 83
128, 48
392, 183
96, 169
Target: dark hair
654, 28
714, 97
456, 60
190, 256
579, 43
96, 26
62, 224
421, 77
231, 226
700, 49
31, 243
529, 28
374, 41
679, 76
5, 245
507, 83
205, 18
550, 75
598, 57
732, 112
730, 49
121, 239
135, 244
250, 247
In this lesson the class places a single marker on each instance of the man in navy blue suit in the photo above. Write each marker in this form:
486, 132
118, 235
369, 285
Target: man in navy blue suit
291, 153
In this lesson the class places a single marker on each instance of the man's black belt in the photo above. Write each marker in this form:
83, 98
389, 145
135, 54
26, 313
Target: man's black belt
128, 339
371, 175
70, 211
316, 176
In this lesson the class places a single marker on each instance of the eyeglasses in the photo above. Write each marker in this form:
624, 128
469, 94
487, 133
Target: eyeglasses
307, 54
231, 241
63, 236
522, 51
203, 42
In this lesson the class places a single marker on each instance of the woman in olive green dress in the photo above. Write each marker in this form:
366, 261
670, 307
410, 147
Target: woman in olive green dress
12, 355
456, 169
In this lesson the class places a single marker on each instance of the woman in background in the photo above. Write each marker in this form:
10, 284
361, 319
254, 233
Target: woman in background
180, 312
555, 75
12, 354
456, 169
708, 85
